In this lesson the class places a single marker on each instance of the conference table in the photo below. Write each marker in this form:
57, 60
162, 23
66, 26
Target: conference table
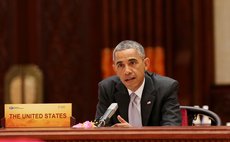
111, 134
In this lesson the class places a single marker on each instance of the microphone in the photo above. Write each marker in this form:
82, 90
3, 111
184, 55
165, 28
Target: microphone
107, 115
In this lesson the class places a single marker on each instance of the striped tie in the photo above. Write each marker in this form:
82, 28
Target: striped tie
134, 114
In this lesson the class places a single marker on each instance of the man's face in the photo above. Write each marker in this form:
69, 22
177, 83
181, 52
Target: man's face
130, 67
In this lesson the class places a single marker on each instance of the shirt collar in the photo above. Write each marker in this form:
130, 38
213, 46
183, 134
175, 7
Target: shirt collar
139, 91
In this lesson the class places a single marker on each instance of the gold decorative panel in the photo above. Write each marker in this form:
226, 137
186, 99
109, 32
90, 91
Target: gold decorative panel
23, 84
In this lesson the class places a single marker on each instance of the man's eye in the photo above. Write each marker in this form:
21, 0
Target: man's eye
132, 62
120, 65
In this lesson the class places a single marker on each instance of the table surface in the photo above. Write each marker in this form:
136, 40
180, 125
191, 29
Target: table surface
109, 133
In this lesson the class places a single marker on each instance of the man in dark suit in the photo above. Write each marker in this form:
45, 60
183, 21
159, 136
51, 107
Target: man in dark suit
155, 96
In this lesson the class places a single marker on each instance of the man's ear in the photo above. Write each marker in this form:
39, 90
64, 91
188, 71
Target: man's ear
114, 68
147, 63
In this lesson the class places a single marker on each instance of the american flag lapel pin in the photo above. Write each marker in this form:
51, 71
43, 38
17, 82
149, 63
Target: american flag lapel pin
149, 102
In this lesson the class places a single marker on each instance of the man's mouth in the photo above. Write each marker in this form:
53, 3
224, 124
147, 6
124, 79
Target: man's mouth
128, 79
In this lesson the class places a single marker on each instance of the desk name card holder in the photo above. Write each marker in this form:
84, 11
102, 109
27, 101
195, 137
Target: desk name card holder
38, 115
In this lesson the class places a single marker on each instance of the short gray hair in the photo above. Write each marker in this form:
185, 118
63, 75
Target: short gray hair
129, 44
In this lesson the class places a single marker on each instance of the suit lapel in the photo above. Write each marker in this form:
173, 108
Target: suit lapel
147, 100
122, 98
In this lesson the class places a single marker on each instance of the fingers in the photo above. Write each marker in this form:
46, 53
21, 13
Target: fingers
123, 123
121, 120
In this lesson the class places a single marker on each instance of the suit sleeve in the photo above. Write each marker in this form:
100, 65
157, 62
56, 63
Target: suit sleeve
103, 102
171, 115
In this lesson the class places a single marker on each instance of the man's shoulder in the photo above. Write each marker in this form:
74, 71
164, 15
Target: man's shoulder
109, 80
160, 79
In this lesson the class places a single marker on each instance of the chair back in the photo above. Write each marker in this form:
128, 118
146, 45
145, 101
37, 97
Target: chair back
189, 113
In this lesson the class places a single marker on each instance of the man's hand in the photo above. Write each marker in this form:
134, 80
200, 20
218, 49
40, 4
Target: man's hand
122, 123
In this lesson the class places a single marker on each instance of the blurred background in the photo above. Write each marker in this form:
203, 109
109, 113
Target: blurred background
56, 51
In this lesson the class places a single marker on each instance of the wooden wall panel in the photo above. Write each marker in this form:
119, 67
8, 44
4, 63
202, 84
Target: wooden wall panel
64, 39
137, 20
70, 46
220, 101
190, 48
4, 35
179, 50
8, 42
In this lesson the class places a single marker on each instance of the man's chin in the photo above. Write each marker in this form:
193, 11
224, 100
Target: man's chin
129, 86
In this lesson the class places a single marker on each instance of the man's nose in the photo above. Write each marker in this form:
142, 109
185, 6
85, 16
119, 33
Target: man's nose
127, 70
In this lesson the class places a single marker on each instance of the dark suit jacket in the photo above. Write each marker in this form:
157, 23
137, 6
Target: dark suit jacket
159, 104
